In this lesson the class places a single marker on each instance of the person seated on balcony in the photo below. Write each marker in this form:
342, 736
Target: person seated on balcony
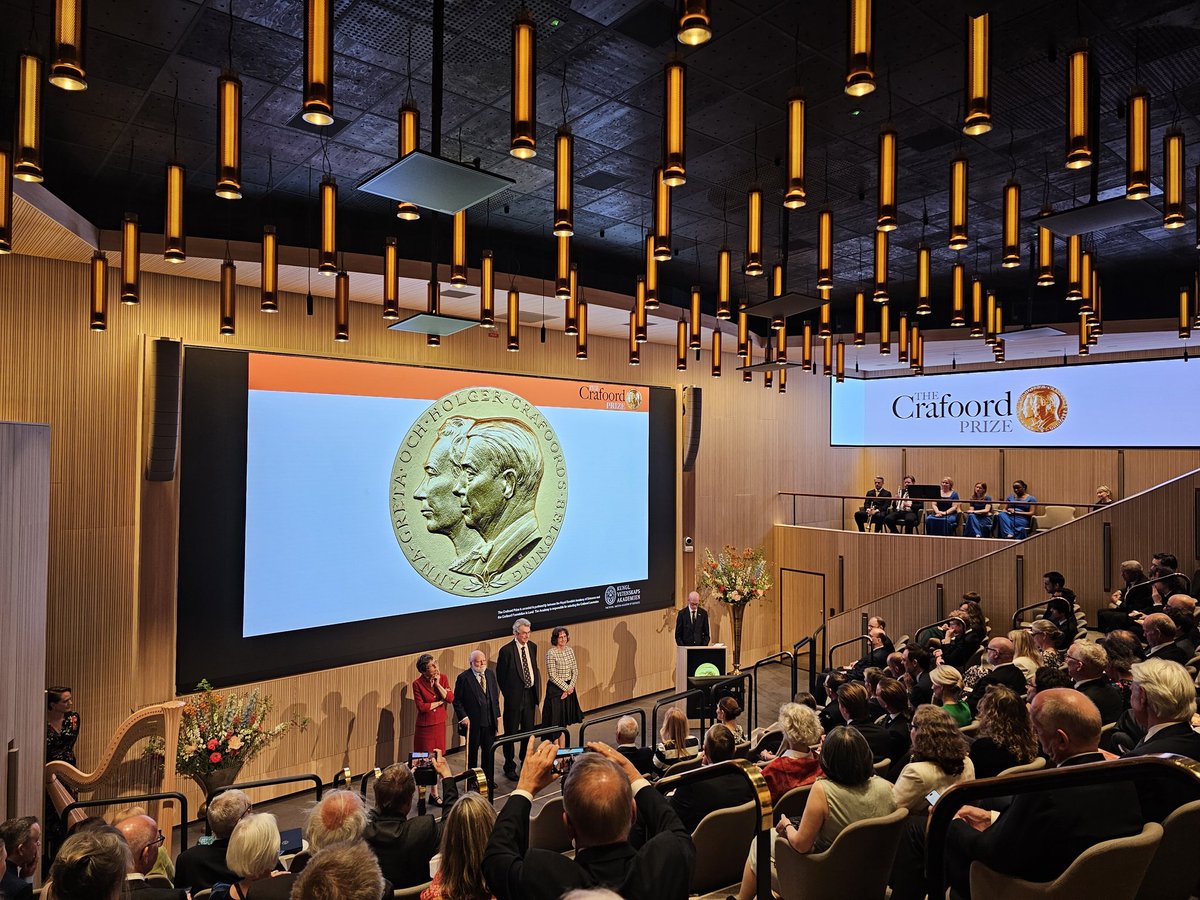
978, 509
402, 843
1019, 509
827, 694
338, 816
905, 512
939, 759
144, 840
676, 741
875, 509
942, 518
1045, 679
1104, 495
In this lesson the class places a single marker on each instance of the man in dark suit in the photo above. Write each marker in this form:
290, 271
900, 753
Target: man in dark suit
143, 837
477, 706
201, 866
405, 845
602, 793
1014, 841
1161, 635
852, 701
1000, 653
874, 510
917, 664
628, 731
1163, 701
1085, 664
695, 800
691, 624
521, 684
23, 842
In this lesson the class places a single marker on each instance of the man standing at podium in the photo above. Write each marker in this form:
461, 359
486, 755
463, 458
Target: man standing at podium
691, 625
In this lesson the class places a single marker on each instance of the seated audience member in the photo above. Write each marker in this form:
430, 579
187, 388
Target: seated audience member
676, 741
341, 871
848, 792
465, 833
253, 856
1085, 664
162, 864
1060, 611
905, 512
1026, 655
728, 709
22, 839
830, 716
628, 732
1163, 703
917, 663
143, 838
875, 509
895, 665
1005, 737
894, 699
1104, 495
694, 800
1161, 639
90, 865
959, 644
947, 694
942, 517
1123, 650
978, 508
796, 764
1017, 841
337, 817
871, 678
201, 866
939, 759
878, 647
1000, 657
852, 701
1019, 509
972, 608
602, 793
1045, 634
402, 844
1126, 600
1053, 582
1046, 678
1182, 610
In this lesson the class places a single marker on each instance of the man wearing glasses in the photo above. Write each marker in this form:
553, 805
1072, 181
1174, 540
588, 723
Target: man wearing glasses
143, 837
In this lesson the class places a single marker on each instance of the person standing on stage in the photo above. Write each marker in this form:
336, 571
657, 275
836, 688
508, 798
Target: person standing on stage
431, 693
520, 683
562, 680
477, 706
691, 625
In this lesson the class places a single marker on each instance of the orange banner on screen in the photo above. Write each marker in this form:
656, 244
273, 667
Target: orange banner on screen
305, 375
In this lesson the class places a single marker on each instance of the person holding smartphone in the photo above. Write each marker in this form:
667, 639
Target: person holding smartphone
431, 693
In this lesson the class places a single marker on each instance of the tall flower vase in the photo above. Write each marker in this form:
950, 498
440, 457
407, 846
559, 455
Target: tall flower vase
212, 782
737, 610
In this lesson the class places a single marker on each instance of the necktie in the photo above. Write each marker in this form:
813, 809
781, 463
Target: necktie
693, 618
525, 673
482, 683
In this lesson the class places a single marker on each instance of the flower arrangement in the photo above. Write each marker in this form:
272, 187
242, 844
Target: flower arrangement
224, 731
735, 577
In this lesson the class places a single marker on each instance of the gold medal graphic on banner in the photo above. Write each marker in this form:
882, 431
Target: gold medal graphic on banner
478, 491
1042, 408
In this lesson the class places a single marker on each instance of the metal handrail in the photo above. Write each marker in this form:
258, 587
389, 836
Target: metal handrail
1149, 582
668, 701
1178, 769
916, 637
619, 714
763, 809
480, 780
267, 782
140, 798
1016, 616
784, 656
813, 669
840, 644
517, 738
890, 500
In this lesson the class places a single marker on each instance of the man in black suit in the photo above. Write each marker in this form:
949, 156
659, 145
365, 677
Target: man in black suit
874, 510
691, 624
201, 866
1161, 635
143, 837
520, 683
402, 845
1085, 664
1016, 841
917, 664
695, 800
602, 794
628, 731
852, 702
477, 706
1163, 701
1000, 653
23, 842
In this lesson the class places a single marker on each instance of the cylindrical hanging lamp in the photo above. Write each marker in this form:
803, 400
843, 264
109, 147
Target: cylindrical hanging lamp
572, 314
695, 23
716, 353
885, 330
327, 254
1174, 210
318, 63
781, 342
827, 356
174, 241
977, 328
783, 381
229, 138
651, 274
989, 320
1011, 254
639, 309
131, 259
458, 249
999, 351
1079, 109
747, 375
524, 87
921, 354
794, 195
391, 279
408, 140
674, 170
924, 275
754, 263
228, 324
806, 348
767, 379
6, 201
1085, 281
487, 291
957, 289
724, 302
581, 351
958, 203
998, 319
778, 285
825, 323
839, 372
1137, 145
681, 345
1084, 346
433, 305
978, 117
635, 356
860, 318
341, 307
886, 220
564, 182
694, 319
1045, 254
27, 143
562, 268
743, 333
514, 320
1074, 267
880, 294
99, 291
902, 339
860, 74
825, 249
914, 346
67, 70
1185, 314
662, 217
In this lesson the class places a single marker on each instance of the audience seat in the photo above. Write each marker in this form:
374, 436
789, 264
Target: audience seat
1053, 516
882, 766
1038, 763
792, 803
410, 892
547, 831
860, 860
685, 765
970, 728
1111, 869
159, 880
1163, 881
721, 840
202, 895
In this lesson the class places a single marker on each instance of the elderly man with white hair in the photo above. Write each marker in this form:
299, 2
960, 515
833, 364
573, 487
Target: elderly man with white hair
628, 731
1163, 701
338, 816
1085, 665
201, 866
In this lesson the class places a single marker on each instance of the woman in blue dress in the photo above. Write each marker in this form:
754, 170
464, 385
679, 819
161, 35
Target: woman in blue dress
1019, 509
979, 512
943, 515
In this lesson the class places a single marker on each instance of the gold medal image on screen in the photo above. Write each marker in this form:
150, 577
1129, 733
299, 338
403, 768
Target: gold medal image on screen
1042, 408
478, 491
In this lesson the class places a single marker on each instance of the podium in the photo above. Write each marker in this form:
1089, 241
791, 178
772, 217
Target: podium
698, 662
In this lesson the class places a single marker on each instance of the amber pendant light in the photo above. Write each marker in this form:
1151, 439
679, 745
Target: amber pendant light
639, 310
716, 353
1137, 145
318, 63
523, 144
228, 324
408, 140
487, 291
131, 259
885, 330
806, 347
754, 262
924, 274
957, 289
1011, 231
1074, 267
514, 320
1045, 254
825, 322
27, 147
794, 195
99, 291
860, 318
662, 217
581, 349
886, 220
694, 319
6, 201
978, 117
564, 182
743, 333
458, 249
781, 342
571, 325
839, 373
902, 339
391, 280
880, 294
67, 71
695, 23
1185, 314
327, 254
174, 242
977, 329
635, 356
825, 249
748, 357
1174, 210
724, 302
651, 274
681, 344
1079, 109
827, 356
269, 275
341, 307
674, 170
958, 203
783, 381
229, 140
860, 74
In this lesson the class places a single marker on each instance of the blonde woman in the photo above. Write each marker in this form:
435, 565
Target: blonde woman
676, 741
1026, 656
1044, 633
465, 835
253, 855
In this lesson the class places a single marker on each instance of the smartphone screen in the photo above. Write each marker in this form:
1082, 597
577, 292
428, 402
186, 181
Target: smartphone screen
418, 758
564, 758
932, 797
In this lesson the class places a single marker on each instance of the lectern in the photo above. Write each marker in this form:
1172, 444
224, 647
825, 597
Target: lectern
691, 662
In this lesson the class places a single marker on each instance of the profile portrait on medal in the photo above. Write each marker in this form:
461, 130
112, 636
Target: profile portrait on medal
439, 505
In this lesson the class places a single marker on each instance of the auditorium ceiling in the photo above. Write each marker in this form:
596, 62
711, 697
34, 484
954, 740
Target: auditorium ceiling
106, 147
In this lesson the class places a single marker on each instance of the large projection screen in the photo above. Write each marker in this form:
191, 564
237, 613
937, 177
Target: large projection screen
1089, 405
333, 512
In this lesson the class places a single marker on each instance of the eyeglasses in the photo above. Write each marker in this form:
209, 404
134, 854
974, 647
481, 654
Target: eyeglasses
157, 841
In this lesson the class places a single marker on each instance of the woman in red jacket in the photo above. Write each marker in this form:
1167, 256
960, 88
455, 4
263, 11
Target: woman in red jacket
432, 693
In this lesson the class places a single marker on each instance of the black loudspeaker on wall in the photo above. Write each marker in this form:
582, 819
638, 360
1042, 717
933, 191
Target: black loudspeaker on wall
692, 445
162, 404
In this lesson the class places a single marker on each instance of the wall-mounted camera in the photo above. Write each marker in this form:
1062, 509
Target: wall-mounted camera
688, 545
